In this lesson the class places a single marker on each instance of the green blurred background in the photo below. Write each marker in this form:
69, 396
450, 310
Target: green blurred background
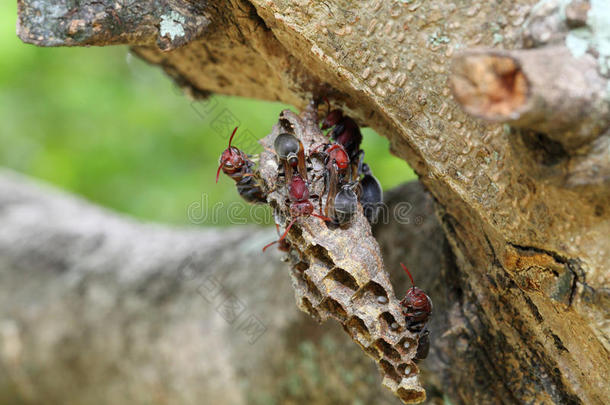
103, 124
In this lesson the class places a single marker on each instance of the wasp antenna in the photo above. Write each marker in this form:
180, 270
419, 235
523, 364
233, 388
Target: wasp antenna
218, 172
270, 244
408, 273
232, 135
328, 104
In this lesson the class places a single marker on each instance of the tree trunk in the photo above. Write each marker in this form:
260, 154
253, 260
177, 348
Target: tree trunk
524, 207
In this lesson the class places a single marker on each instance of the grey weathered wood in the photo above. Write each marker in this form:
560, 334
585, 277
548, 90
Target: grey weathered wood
96, 308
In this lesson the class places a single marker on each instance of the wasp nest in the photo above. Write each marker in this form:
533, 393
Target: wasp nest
338, 272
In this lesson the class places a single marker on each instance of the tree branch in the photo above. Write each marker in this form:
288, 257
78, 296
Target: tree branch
85, 291
167, 24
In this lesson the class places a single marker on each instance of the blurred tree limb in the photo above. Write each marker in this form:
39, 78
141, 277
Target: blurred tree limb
524, 208
96, 308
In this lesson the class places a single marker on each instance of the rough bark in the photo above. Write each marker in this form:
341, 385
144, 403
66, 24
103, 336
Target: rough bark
525, 212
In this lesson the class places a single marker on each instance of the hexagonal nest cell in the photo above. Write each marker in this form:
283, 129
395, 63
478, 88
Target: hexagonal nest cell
345, 279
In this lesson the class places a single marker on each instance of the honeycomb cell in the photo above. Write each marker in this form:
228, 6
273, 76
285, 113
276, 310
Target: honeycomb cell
306, 304
370, 292
343, 277
389, 370
373, 352
320, 253
406, 344
356, 327
311, 286
389, 322
335, 309
387, 350
404, 369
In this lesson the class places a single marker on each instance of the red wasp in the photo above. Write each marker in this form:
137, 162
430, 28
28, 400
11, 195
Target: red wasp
341, 196
237, 165
417, 308
345, 132
299, 204
341, 201
333, 153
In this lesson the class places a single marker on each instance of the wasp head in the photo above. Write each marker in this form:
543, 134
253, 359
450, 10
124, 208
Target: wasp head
231, 160
332, 119
416, 305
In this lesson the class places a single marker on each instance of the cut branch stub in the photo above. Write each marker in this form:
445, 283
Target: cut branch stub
490, 86
545, 89
339, 273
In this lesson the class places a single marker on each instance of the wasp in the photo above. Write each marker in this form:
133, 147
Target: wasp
417, 309
237, 165
344, 131
291, 154
299, 205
